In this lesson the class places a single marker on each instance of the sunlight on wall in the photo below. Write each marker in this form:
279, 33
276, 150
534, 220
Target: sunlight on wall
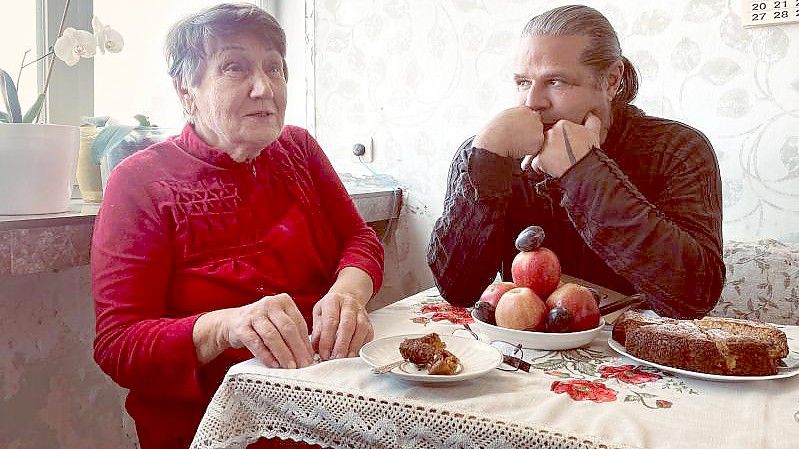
136, 81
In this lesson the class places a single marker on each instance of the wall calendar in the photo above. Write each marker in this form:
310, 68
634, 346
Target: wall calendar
769, 12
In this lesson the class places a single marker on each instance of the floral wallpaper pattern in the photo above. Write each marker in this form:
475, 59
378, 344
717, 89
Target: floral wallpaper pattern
421, 76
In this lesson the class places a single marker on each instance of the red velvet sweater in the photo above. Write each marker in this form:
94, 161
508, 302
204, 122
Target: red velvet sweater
183, 230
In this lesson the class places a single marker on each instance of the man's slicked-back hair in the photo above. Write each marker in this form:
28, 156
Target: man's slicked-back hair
603, 48
187, 40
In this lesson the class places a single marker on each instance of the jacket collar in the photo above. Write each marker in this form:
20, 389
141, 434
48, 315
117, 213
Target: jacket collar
193, 144
618, 127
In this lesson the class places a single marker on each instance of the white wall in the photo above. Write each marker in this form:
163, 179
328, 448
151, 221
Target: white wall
421, 76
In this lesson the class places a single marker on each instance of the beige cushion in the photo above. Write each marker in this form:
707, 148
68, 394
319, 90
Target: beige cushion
762, 282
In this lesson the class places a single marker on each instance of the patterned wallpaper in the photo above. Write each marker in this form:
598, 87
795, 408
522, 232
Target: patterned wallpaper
421, 76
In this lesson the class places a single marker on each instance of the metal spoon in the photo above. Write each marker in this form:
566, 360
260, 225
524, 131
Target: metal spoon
387, 367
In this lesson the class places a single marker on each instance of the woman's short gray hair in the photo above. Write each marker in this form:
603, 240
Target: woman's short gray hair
602, 51
187, 39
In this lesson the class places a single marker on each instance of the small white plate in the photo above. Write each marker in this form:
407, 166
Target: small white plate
792, 369
551, 341
477, 358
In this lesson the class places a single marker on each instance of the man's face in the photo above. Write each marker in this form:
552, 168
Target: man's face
551, 80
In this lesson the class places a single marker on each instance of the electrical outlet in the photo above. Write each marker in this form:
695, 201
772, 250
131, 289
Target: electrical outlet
368, 150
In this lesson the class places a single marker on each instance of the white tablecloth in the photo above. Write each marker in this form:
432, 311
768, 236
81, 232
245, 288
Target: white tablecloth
583, 398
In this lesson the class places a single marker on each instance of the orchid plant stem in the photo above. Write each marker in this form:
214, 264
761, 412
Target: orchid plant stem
49, 53
52, 60
22, 66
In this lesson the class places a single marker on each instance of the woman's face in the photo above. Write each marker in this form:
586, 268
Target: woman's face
240, 102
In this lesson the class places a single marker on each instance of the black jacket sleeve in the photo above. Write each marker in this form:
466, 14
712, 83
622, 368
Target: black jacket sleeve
465, 249
668, 246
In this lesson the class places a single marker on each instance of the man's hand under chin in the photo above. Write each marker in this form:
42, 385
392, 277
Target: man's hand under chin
565, 144
514, 132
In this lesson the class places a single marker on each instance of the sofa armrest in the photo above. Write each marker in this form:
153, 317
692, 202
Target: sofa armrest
762, 282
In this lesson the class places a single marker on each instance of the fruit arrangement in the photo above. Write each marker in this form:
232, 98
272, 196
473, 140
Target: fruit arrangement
536, 300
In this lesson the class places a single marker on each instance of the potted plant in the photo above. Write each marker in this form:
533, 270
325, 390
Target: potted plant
37, 161
115, 142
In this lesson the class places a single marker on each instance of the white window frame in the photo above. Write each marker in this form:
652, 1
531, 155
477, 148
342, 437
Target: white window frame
71, 92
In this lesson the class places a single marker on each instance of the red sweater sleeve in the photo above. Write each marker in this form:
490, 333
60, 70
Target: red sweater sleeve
131, 264
360, 246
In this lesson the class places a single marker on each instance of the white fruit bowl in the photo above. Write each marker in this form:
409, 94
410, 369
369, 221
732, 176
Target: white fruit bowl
537, 340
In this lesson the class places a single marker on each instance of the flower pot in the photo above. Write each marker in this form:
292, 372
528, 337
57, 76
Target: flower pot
88, 174
138, 139
37, 163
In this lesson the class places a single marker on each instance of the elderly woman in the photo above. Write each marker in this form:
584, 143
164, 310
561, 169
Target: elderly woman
227, 241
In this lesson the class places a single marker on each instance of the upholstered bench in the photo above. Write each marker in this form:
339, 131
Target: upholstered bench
762, 282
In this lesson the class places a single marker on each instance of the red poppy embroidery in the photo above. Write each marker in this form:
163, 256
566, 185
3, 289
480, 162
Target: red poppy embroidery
581, 390
444, 311
660, 403
628, 374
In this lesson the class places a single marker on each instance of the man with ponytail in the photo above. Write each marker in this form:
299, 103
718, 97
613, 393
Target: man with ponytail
627, 201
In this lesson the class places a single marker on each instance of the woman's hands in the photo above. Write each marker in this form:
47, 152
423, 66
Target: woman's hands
274, 330
340, 326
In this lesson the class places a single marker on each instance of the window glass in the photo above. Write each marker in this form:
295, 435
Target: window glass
135, 81
18, 34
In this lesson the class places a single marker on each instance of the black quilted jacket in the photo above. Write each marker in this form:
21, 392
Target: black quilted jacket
643, 214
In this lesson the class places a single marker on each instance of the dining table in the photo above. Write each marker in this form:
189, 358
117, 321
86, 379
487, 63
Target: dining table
586, 397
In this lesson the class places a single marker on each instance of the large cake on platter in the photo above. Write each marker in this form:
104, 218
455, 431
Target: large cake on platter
711, 345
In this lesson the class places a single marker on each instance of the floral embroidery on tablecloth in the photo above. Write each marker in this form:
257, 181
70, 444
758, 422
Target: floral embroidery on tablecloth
581, 390
628, 374
433, 309
590, 374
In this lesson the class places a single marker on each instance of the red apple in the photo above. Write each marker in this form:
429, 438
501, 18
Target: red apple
580, 303
494, 291
538, 269
521, 309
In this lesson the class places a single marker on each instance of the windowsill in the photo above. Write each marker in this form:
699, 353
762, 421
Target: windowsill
36, 243
79, 212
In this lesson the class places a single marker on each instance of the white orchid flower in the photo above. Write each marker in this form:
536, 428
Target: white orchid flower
74, 44
107, 37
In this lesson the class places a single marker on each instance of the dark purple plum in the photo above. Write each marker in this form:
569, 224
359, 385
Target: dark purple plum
484, 312
530, 238
558, 320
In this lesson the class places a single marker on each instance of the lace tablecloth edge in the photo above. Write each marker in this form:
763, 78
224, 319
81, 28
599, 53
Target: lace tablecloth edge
352, 430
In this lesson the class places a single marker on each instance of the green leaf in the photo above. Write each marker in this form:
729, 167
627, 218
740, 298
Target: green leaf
108, 139
4, 117
10, 97
549, 365
98, 121
143, 120
33, 112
